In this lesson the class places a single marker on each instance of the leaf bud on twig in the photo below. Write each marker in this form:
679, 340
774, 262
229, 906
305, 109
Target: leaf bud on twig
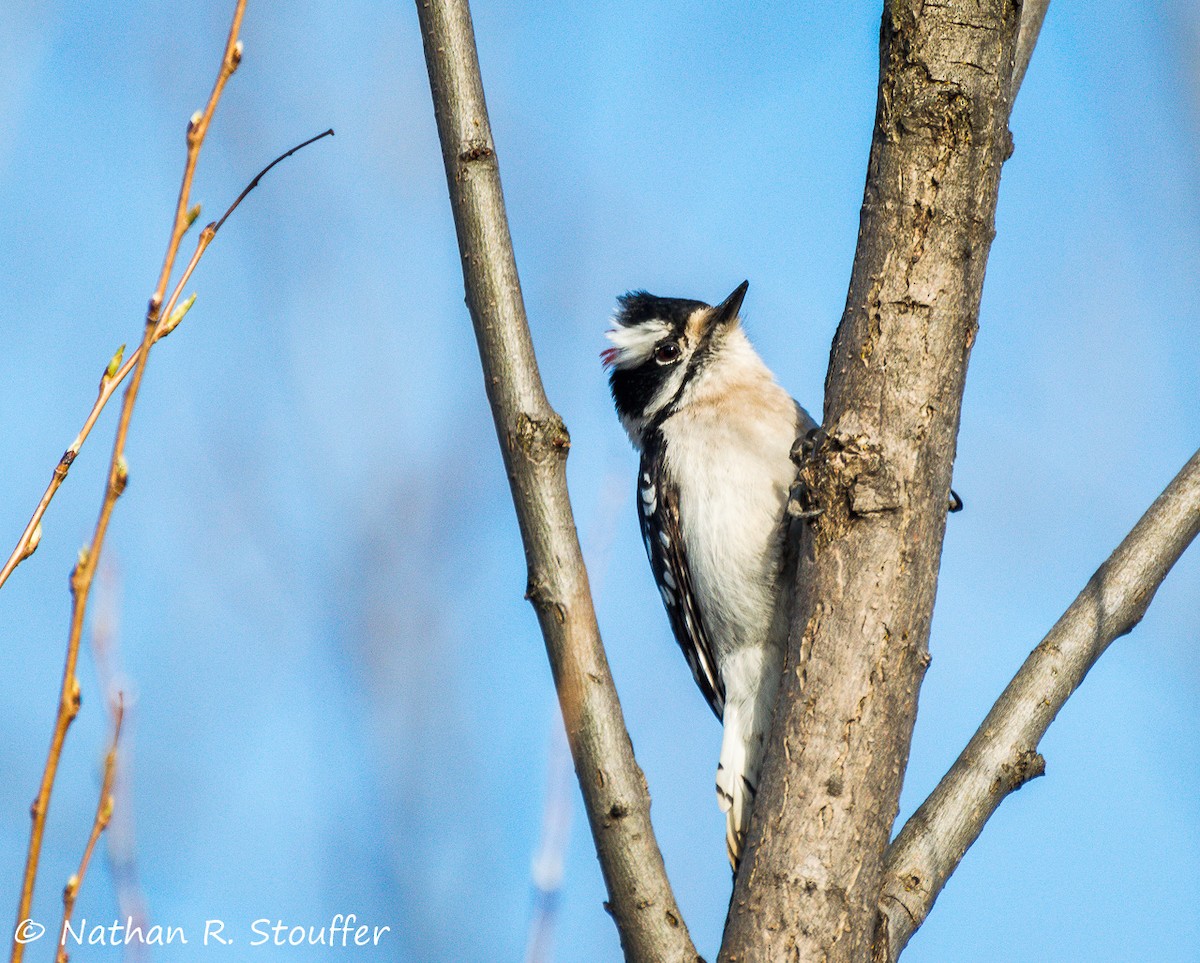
34, 541
120, 476
177, 315
114, 364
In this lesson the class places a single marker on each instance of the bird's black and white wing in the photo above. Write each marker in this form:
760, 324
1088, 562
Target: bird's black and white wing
658, 512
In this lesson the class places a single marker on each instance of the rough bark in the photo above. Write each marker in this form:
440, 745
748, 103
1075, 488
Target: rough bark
809, 885
1002, 755
534, 443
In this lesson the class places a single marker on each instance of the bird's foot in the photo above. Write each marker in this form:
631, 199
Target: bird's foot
800, 503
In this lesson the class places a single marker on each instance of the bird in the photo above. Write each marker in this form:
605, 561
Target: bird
715, 432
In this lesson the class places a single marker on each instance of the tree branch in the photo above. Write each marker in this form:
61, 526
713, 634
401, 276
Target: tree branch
1002, 755
534, 443
85, 569
809, 885
1033, 13
116, 372
104, 810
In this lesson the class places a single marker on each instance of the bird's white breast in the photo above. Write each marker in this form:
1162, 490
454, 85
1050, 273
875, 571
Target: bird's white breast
728, 452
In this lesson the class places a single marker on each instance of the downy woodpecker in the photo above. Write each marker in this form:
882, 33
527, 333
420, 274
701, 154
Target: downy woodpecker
715, 432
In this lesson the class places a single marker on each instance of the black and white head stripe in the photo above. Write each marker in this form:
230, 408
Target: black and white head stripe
658, 346
641, 322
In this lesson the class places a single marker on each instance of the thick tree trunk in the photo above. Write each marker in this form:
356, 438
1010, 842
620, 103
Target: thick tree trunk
809, 886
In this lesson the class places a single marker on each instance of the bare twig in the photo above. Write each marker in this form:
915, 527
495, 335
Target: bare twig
534, 444
262, 173
104, 810
85, 569
167, 321
119, 836
1002, 755
28, 542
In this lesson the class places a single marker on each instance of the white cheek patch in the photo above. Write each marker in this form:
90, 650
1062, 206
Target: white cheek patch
667, 392
633, 345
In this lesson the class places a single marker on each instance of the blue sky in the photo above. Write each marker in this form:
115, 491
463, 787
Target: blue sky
340, 700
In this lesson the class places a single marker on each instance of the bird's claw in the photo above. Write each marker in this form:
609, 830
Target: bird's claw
800, 502
804, 447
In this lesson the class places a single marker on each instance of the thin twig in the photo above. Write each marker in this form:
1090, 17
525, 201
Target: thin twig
28, 542
1002, 755
104, 810
168, 320
262, 173
85, 569
121, 848
534, 444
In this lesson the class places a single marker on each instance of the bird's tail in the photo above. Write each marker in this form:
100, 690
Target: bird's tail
737, 773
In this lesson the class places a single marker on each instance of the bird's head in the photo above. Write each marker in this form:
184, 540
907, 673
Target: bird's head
661, 349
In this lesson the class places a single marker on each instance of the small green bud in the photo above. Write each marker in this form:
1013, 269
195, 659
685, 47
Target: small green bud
192, 214
120, 476
177, 315
114, 365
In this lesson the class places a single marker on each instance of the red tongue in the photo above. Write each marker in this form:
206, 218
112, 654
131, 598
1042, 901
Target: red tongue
609, 356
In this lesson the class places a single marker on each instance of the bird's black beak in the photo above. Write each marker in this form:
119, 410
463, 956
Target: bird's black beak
727, 311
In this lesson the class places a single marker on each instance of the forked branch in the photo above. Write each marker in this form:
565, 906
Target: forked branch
117, 372
1002, 755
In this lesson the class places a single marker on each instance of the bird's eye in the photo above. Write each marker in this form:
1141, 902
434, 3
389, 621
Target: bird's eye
667, 352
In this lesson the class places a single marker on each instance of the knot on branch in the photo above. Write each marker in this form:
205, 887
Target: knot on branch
540, 439
926, 92
1022, 766
841, 477
538, 592
937, 110
475, 150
